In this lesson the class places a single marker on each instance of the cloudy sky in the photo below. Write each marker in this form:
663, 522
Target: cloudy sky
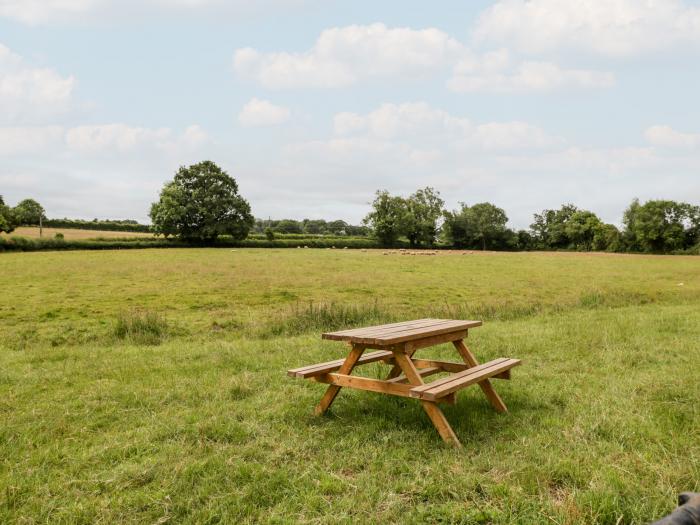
313, 105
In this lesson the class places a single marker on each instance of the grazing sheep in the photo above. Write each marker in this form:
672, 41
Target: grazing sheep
687, 513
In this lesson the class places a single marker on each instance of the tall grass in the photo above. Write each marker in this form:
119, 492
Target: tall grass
311, 316
141, 328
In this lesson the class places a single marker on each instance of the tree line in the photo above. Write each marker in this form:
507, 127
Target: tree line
308, 227
202, 203
657, 226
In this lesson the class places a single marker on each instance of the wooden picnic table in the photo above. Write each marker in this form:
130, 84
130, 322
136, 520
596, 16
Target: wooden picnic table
395, 345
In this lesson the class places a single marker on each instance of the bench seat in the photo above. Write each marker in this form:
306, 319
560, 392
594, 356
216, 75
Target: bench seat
443, 387
331, 366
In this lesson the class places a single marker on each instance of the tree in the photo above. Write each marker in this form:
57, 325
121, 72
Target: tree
607, 238
661, 226
7, 218
387, 218
29, 212
201, 203
481, 225
549, 227
580, 229
423, 210
314, 227
337, 227
288, 226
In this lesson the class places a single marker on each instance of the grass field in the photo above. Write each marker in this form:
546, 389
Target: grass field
190, 417
72, 234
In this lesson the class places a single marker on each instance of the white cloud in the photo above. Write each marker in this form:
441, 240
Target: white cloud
104, 139
667, 137
342, 56
420, 124
608, 27
28, 92
496, 72
262, 113
19, 139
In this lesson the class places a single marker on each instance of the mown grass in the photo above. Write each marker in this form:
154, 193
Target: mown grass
205, 427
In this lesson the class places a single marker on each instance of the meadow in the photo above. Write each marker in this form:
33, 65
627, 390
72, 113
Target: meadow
149, 386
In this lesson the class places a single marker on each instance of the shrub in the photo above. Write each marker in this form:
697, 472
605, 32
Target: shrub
141, 328
59, 236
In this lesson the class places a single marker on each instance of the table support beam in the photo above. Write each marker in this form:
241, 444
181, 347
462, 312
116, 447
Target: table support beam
345, 368
485, 385
434, 413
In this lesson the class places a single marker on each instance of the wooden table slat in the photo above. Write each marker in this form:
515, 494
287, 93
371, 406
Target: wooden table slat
370, 330
385, 332
396, 333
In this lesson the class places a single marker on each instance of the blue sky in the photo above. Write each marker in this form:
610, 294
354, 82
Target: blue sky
312, 105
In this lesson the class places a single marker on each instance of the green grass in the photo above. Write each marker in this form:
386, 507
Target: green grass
205, 427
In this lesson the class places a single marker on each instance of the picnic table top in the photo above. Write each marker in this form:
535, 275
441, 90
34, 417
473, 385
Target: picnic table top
389, 334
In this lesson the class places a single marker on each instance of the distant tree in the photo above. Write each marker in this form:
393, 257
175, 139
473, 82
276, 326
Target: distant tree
314, 227
337, 227
357, 230
28, 212
481, 225
288, 226
201, 203
7, 217
269, 234
607, 238
580, 229
661, 226
549, 227
423, 210
525, 240
387, 218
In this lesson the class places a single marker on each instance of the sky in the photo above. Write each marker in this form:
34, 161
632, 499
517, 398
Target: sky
313, 106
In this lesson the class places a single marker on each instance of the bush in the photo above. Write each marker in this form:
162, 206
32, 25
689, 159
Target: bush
59, 236
141, 328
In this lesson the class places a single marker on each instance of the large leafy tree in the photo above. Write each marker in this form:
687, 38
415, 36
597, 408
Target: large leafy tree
482, 225
201, 203
29, 212
661, 225
423, 210
549, 227
7, 217
387, 218
580, 229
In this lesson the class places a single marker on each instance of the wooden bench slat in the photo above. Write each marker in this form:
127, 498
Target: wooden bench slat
423, 372
448, 385
331, 366
447, 366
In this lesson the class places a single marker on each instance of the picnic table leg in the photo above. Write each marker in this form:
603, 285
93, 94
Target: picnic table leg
432, 409
345, 368
396, 369
485, 385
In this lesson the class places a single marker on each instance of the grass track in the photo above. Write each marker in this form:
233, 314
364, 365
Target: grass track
207, 428
73, 233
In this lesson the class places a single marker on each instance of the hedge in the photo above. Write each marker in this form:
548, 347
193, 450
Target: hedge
30, 245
